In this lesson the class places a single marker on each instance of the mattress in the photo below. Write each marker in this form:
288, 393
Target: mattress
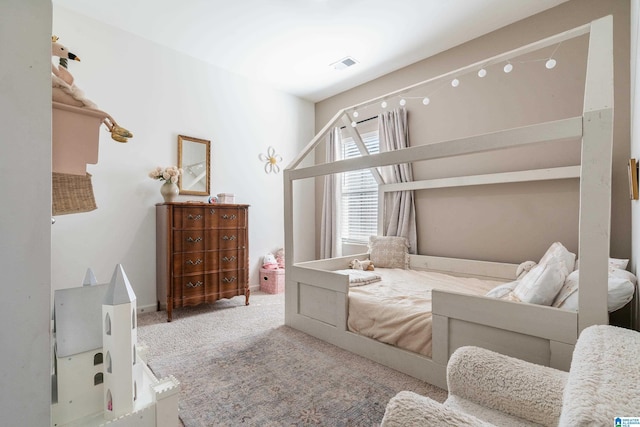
397, 309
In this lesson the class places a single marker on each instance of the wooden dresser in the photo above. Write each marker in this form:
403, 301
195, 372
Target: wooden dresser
202, 253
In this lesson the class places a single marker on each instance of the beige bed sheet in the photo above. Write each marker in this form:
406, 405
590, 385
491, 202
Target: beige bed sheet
397, 309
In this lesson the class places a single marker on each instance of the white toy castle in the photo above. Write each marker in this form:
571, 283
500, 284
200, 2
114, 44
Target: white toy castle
100, 375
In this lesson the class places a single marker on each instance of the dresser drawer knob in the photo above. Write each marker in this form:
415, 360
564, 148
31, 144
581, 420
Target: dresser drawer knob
225, 237
194, 285
195, 217
212, 211
229, 259
229, 279
196, 262
232, 216
192, 240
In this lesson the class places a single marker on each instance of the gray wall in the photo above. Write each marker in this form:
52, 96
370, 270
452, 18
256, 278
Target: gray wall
514, 222
25, 217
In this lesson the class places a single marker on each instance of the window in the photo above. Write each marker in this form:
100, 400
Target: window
98, 378
359, 194
107, 324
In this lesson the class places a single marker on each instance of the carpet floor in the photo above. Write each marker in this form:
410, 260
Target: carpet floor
240, 365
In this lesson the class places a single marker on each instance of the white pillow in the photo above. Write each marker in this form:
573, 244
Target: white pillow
623, 274
389, 251
542, 283
618, 263
501, 291
620, 291
619, 294
569, 287
559, 251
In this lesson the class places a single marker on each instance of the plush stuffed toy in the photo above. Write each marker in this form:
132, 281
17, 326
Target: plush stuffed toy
357, 264
524, 268
269, 262
62, 81
280, 257
65, 91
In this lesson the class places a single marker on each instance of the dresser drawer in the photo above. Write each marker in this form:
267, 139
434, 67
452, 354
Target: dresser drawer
230, 260
229, 282
207, 261
232, 283
189, 240
198, 217
189, 217
228, 239
195, 289
201, 240
227, 217
194, 262
189, 287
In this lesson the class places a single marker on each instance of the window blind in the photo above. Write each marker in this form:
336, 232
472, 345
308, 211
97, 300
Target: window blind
359, 194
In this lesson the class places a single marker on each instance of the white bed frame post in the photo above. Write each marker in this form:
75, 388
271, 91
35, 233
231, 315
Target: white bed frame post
291, 291
595, 182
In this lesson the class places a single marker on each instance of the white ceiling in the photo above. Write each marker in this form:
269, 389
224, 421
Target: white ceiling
290, 44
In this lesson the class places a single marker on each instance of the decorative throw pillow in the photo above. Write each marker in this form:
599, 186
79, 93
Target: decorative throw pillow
389, 251
569, 287
620, 292
623, 274
620, 289
542, 283
618, 263
559, 251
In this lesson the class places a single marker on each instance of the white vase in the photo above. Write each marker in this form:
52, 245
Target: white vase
169, 191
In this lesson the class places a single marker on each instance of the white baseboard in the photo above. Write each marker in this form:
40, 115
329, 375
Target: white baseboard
147, 308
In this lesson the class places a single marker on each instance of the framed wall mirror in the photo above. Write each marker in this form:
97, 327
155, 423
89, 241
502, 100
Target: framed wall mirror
193, 159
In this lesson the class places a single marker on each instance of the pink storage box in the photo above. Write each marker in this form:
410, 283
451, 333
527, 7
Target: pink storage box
272, 281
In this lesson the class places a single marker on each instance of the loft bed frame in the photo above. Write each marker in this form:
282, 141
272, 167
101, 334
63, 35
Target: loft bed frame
316, 299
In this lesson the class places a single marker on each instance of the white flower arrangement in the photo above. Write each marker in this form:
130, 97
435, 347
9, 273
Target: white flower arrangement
168, 174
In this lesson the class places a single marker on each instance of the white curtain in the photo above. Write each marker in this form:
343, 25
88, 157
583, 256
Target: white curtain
330, 239
399, 215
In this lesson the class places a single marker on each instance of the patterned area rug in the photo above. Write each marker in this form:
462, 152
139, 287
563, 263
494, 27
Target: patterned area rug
239, 365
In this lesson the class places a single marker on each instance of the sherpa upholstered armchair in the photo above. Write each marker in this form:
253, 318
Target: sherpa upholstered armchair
487, 388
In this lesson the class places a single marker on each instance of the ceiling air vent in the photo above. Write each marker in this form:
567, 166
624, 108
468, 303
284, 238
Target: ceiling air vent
344, 63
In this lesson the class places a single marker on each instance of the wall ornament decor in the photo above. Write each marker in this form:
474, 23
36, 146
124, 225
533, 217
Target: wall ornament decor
271, 160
